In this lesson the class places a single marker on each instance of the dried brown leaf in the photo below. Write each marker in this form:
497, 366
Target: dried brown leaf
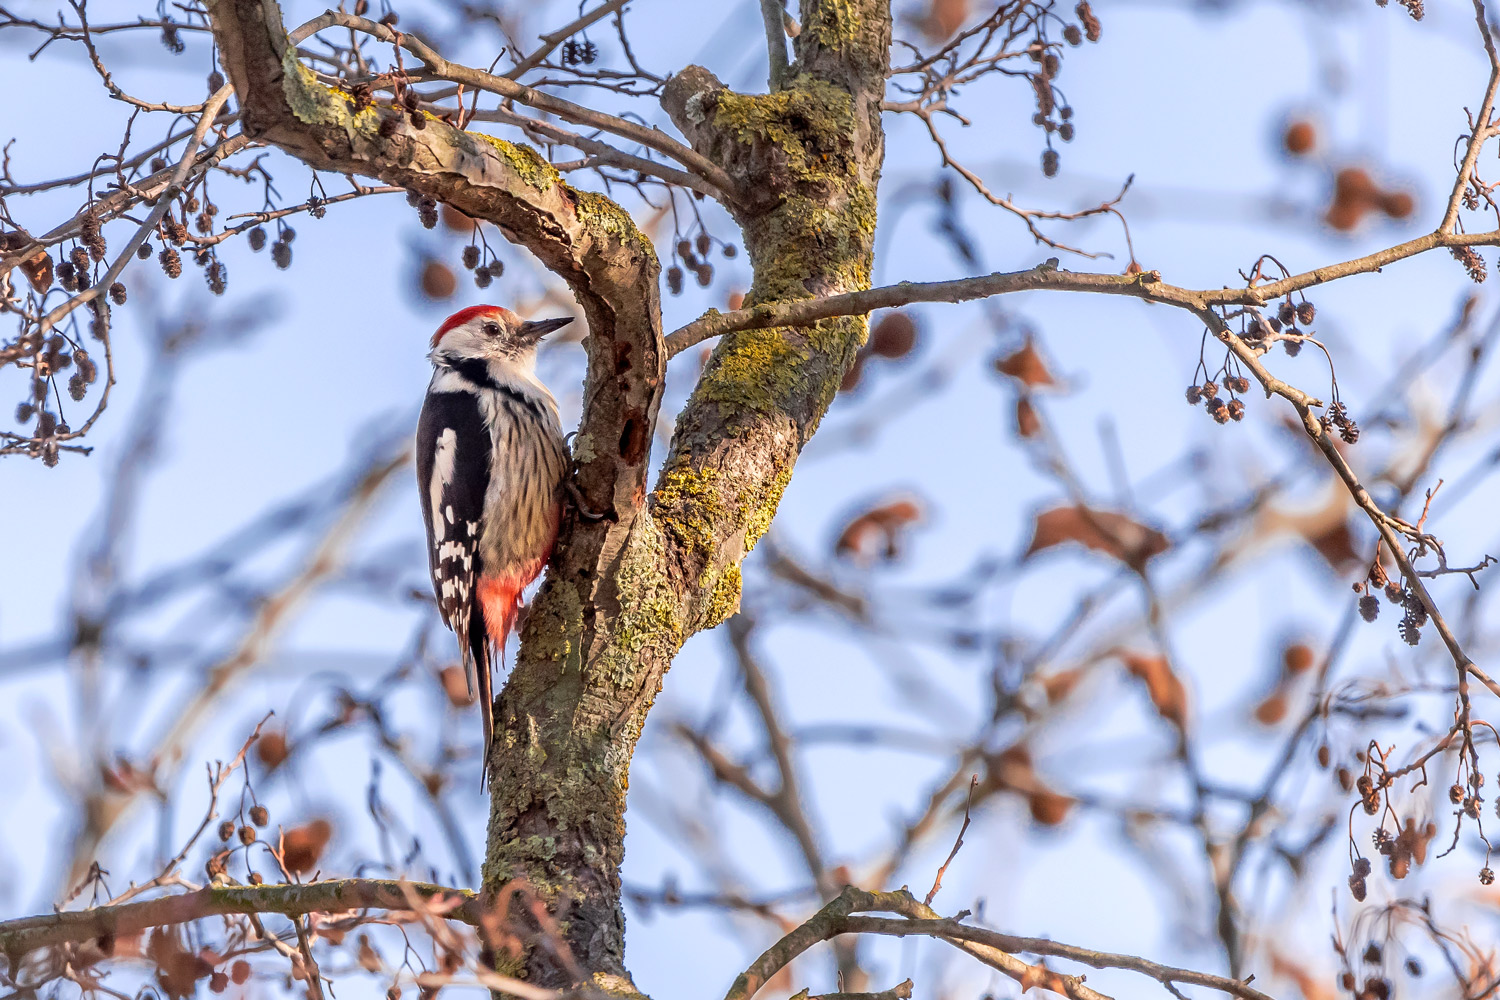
271, 749
302, 846
1163, 687
893, 335
1273, 709
941, 18
455, 681
1049, 808
1026, 366
1297, 658
38, 270
878, 532
1028, 423
1059, 685
1129, 541
438, 280
455, 220
1012, 770
369, 959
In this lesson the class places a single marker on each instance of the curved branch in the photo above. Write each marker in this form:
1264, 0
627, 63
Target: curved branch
1146, 285
584, 238
179, 175
17, 937
553, 39
993, 948
955, 931
1483, 128
1149, 287
511, 90
601, 152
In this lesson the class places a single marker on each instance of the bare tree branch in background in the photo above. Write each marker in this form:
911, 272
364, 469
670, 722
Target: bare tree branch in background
796, 169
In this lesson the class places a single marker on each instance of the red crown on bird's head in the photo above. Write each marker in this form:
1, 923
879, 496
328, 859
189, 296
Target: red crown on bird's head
472, 312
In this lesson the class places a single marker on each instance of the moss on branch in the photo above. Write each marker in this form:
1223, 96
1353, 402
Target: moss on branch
18, 937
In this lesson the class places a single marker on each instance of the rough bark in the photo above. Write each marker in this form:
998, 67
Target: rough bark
623, 594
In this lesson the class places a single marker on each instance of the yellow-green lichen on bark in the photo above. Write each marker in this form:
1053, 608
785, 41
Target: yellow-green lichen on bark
525, 161
810, 123
809, 244
761, 501
318, 104
826, 240
648, 606
753, 372
723, 598
833, 24
583, 792
687, 504
595, 210
577, 715
312, 102
554, 635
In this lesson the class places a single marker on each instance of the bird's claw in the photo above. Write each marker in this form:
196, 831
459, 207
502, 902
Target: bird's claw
584, 511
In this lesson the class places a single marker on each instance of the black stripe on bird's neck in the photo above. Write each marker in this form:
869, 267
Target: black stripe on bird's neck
476, 370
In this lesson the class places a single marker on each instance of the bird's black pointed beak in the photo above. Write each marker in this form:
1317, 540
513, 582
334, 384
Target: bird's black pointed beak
534, 330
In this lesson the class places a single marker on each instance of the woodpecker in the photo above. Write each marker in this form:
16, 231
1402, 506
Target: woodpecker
491, 462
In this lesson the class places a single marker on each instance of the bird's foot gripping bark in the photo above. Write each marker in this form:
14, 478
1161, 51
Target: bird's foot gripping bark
579, 504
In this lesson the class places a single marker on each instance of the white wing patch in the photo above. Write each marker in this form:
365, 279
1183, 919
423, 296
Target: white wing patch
443, 457
455, 551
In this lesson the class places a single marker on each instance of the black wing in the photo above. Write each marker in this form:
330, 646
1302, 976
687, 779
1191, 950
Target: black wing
453, 473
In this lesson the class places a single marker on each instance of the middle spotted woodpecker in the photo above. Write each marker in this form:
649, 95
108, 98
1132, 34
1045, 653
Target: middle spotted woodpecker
491, 461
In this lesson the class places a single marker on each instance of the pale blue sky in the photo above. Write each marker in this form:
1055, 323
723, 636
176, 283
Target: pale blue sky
1188, 102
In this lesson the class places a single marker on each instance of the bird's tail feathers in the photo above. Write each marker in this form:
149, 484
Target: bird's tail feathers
477, 668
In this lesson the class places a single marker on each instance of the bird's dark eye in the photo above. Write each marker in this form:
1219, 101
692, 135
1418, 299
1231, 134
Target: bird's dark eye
491, 329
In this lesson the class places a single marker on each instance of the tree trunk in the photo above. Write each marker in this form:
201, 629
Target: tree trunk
624, 593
